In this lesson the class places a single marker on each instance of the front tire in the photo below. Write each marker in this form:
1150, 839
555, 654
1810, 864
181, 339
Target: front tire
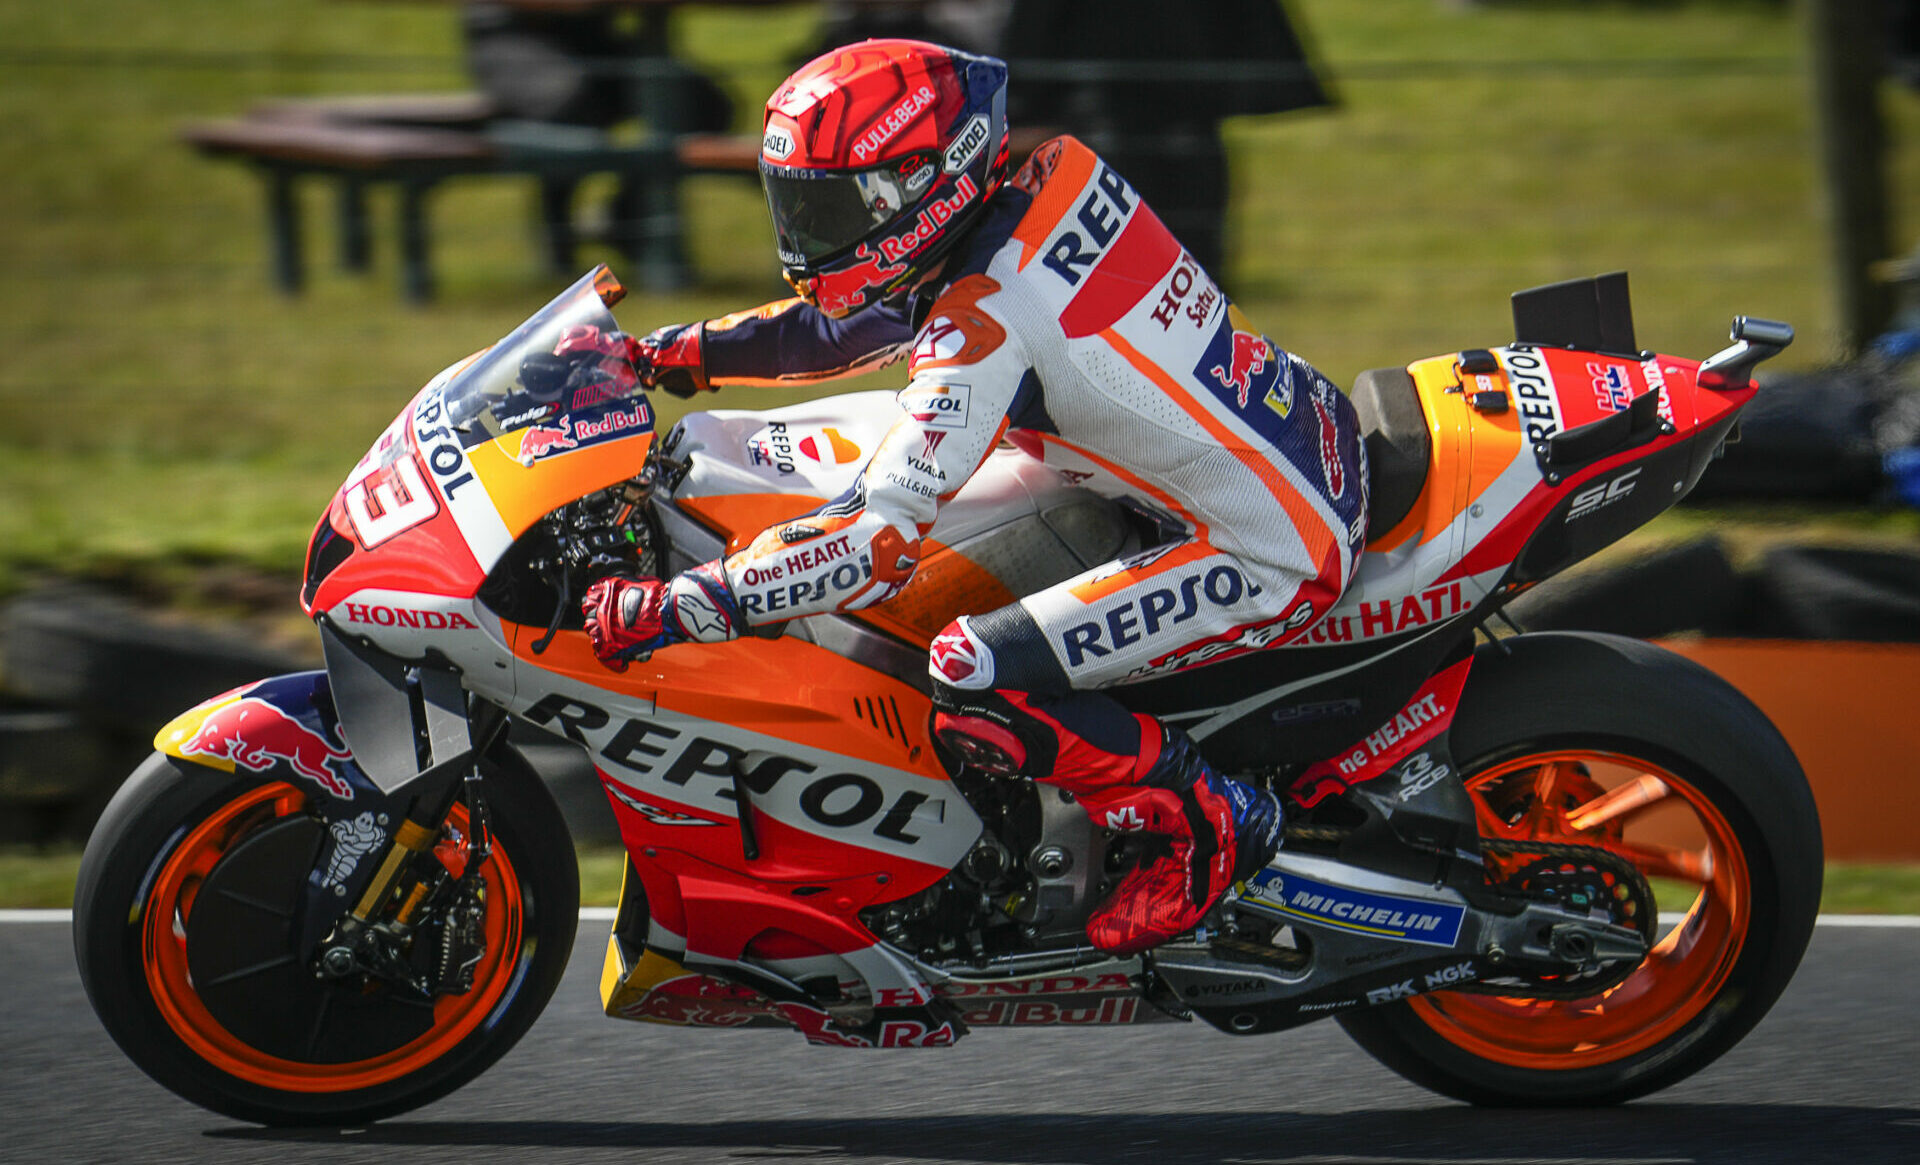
263, 1040
1602, 741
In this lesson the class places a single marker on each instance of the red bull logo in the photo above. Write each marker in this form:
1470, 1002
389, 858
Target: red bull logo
255, 735
542, 441
843, 291
1248, 360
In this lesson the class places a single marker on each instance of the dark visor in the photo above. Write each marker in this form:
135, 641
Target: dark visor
819, 212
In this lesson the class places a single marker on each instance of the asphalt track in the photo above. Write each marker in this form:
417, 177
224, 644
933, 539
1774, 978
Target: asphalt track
1831, 1076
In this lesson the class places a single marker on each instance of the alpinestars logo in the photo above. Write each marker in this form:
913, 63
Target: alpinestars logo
1335, 470
1127, 820
959, 659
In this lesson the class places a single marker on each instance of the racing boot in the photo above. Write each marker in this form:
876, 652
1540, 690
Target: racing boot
1131, 775
1218, 832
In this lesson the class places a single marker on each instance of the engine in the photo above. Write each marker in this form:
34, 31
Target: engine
1028, 884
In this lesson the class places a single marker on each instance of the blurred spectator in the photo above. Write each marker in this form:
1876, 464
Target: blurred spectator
578, 68
1160, 79
1146, 84
571, 67
1903, 41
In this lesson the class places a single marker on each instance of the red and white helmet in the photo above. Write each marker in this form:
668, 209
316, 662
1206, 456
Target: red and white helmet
876, 158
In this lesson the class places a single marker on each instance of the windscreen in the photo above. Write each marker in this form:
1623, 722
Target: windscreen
568, 358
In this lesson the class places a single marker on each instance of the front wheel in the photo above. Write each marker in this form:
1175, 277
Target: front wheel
1600, 741
187, 935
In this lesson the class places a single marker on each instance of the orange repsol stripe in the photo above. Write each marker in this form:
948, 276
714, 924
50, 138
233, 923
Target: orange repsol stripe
1056, 198
1311, 528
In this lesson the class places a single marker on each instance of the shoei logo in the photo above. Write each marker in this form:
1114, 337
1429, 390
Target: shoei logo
777, 144
966, 147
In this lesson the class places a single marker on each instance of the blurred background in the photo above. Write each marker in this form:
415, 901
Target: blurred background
199, 335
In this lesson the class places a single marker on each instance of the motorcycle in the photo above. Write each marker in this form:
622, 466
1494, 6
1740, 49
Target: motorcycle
1518, 868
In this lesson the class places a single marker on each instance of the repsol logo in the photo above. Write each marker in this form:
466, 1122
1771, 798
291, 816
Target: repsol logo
840, 800
1533, 393
769, 595
1135, 619
439, 447
1098, 216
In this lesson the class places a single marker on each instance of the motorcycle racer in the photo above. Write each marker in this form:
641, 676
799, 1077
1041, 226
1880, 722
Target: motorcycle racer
1055, 311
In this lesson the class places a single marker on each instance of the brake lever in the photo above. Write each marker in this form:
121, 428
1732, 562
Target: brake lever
540, 645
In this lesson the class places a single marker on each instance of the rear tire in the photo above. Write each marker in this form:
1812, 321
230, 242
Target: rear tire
139, 923
1598, 740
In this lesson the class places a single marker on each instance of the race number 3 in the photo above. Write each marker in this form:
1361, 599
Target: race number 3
389, 501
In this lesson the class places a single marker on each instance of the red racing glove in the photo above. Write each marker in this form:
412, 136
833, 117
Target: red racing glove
631, 618
614, 367
625, 618
670, 358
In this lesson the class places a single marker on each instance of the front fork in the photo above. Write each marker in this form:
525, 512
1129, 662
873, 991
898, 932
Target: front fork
412, 889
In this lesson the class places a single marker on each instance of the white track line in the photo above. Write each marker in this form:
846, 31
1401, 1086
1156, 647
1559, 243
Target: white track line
606, 914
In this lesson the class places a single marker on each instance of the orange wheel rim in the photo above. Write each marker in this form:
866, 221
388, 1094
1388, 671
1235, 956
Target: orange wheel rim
1670, 831
169, 906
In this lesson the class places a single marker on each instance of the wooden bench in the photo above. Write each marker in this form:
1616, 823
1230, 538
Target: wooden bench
417, 141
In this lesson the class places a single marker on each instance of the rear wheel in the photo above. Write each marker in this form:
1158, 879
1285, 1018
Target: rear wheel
187, 925
1596, 741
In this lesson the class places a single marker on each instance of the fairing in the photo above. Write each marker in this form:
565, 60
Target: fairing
487, 448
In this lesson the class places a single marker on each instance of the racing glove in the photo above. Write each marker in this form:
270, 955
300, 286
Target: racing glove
608, 353
629, 617
670, 358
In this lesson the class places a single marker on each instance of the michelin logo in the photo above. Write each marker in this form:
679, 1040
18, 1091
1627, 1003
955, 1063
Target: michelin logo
1383, 915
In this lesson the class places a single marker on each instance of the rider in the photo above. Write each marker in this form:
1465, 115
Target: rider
1054, 311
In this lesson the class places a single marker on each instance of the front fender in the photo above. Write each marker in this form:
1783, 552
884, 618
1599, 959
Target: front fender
282, 729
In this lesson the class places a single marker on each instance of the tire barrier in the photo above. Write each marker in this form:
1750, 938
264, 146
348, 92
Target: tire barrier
1689, 587
1868, 596
89, 677
1795, 592
1806, 437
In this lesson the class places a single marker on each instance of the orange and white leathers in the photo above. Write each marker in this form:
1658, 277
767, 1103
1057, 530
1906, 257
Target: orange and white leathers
1079, 329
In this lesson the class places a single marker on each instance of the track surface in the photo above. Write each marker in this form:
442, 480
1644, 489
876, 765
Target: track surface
1830, 1076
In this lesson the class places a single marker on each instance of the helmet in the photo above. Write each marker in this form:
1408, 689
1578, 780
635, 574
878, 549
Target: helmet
876, 159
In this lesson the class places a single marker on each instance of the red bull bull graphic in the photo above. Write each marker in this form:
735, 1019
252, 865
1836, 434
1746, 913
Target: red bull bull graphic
255, 735
1248, 360
542, 440
844, 291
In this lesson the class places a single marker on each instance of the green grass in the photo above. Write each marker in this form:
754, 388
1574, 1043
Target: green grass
162, 401
43, 879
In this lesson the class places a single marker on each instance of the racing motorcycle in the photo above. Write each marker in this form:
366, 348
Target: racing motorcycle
1519, 868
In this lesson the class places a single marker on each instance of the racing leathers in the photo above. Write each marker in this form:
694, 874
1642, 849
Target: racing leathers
1073, 325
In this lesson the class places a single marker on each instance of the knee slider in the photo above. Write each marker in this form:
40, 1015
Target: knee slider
981, 744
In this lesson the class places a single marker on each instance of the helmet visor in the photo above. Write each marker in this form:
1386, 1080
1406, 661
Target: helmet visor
819, 212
